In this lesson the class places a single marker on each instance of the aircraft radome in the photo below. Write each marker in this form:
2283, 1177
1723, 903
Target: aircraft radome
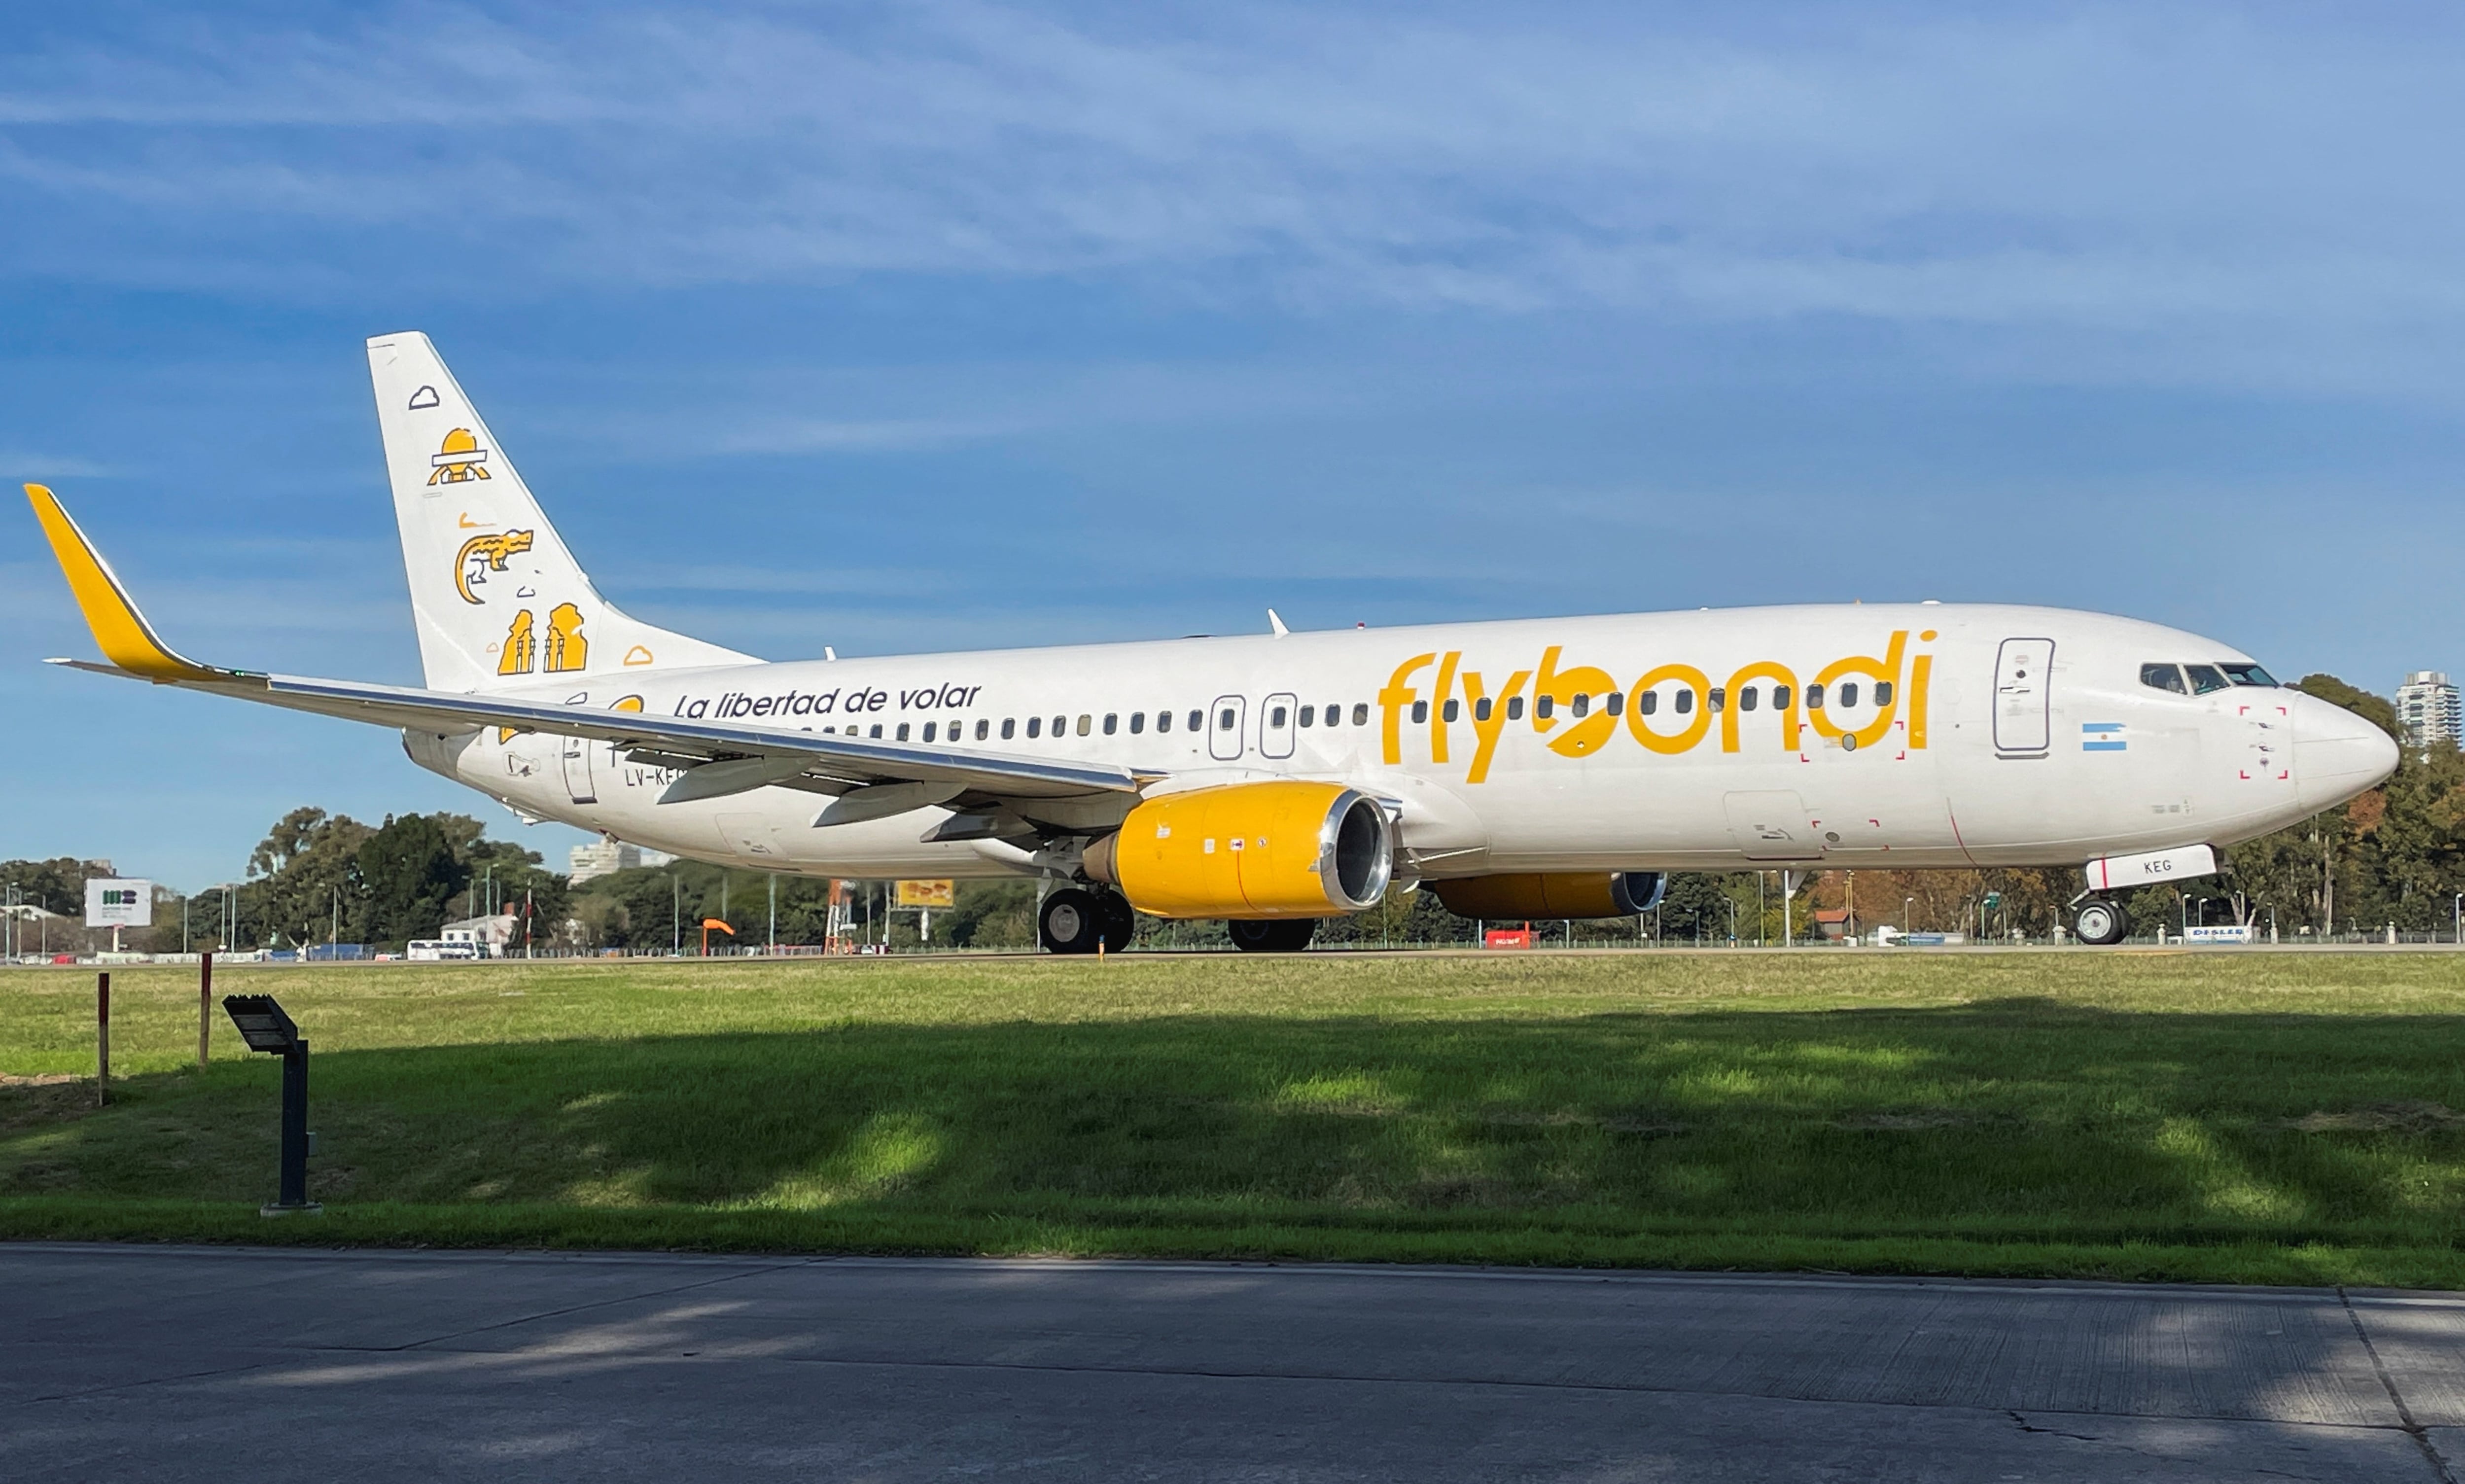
1535, 768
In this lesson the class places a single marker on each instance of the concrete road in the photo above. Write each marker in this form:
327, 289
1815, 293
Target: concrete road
132, 1363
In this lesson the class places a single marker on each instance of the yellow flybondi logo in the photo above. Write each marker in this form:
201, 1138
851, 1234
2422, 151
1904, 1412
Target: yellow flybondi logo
1853, 702
482, 555
458, 459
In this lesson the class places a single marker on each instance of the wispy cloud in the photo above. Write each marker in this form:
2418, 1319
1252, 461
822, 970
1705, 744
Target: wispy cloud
20, 465
2105, 167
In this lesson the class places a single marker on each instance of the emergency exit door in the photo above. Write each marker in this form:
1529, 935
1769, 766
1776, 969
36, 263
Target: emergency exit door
2023, 719
1225, 723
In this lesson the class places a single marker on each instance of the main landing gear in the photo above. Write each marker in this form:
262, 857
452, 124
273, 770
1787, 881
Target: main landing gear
1074, 920
1278, 935
2101, 921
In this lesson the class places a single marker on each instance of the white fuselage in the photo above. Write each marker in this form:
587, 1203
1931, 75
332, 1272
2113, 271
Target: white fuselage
1977, 736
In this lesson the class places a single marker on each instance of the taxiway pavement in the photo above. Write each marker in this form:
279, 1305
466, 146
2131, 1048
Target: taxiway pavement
162, 1363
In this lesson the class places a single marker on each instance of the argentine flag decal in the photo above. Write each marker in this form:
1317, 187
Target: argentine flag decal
2103, 737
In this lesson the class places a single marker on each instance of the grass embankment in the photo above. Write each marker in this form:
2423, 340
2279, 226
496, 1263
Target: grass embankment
2269, 1118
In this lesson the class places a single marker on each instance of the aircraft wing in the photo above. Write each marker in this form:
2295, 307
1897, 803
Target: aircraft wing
821, 762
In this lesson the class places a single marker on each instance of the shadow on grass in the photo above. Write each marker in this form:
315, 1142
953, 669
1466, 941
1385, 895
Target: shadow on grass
2012, 1124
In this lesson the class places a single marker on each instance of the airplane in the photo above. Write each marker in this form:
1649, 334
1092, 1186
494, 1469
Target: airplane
1553, 767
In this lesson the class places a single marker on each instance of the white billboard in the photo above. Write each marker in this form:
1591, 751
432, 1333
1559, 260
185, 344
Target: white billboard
111, 902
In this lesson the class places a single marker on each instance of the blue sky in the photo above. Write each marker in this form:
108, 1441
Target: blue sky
910, 327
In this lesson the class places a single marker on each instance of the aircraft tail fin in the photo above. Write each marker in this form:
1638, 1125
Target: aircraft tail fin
498, 599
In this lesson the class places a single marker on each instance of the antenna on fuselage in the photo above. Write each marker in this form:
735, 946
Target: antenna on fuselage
1277, 624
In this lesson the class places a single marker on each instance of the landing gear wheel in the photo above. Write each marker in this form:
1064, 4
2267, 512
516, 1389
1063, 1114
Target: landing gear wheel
1280, 935
1117, 921
1070, 921
2101, 922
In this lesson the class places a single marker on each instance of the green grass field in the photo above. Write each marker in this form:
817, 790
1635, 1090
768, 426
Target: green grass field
2266, 1117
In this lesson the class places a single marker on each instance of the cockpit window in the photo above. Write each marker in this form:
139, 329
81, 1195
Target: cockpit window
2205, 678
2247, 675
2164, 677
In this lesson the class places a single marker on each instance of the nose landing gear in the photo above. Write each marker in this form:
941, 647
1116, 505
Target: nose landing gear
2101, 921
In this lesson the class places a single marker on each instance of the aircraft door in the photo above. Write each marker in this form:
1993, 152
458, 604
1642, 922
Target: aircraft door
577, 785
1225, 720
1275, 725
2022, 723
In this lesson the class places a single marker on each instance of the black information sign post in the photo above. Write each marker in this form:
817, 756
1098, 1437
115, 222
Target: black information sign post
265, 1027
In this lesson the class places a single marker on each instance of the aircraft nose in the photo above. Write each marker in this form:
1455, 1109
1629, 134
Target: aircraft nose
2337, 754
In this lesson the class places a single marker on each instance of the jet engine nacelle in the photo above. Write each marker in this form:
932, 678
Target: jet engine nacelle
1553, 894
1249, 850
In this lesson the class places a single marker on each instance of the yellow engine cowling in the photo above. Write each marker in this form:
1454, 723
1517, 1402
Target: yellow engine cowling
1249, 850
1552, 894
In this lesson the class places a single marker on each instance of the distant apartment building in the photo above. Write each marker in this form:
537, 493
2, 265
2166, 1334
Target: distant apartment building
601, 857
2427, 707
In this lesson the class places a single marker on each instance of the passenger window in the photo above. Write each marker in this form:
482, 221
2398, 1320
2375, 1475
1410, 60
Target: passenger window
1112, 723
2164, 677
876, 729
1164, 720
1061, 724
1720, 698
2205, 678
1648, 702
1452, 710
902, 731
1780, 698
1084, 723
1197, 720
1309, 716
1746, 698
1138, 722
2247, 675
1686, 700
1361, 716
1848, 693
928, 731
1515, 708
1420, 712
984, 728
1542, 705
1614, 703
1035, 726
1275, 718
1009, 727
1583, 706
1223, 719
1481, 709
1882, 693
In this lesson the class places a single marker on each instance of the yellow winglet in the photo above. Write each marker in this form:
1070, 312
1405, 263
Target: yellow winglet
120, 630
